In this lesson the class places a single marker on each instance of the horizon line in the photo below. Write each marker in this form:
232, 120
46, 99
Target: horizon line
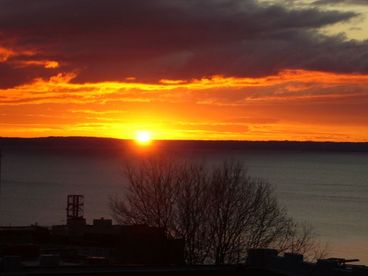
189, 140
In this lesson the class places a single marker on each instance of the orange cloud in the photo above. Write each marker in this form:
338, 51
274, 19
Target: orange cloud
288, 84
6, 53
48, 64
292, 105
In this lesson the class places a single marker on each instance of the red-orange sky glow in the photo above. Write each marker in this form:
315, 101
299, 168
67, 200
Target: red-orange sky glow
292, 105
211, 72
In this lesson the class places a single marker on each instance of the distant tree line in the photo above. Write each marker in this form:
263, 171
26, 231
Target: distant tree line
220, 211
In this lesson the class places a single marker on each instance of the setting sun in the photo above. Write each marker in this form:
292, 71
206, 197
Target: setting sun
143, 137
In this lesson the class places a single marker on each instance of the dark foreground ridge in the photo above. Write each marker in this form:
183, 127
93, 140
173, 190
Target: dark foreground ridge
103, 248
92, 145
106, 249
135, 251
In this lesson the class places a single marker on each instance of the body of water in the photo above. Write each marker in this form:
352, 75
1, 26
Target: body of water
329, 190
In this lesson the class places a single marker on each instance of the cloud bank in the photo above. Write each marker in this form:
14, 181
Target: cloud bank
108, 40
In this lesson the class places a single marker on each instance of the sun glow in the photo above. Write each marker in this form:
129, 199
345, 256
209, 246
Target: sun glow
143, 137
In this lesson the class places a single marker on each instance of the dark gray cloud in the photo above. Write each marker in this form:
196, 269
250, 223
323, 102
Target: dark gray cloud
177, 39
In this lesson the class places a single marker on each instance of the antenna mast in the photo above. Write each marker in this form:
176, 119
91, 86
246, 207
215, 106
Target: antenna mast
74, 209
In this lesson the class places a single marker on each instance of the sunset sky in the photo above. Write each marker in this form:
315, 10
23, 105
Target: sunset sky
185, 69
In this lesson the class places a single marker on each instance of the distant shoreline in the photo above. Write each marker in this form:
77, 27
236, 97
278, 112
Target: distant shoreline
96, 144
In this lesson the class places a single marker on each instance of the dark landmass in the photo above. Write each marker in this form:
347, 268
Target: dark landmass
92, 145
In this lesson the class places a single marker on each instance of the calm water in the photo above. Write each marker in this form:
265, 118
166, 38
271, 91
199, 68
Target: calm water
327, 190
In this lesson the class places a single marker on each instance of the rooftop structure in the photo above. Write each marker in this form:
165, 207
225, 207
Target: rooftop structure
102, 241
292, 264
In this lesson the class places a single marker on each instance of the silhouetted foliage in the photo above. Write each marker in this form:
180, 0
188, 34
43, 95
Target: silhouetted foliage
219, 211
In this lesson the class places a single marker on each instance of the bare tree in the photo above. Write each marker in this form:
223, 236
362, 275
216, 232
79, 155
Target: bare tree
219, 211
171, 195
192, 209
150, 194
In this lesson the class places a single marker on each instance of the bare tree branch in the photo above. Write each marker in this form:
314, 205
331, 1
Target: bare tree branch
219, 211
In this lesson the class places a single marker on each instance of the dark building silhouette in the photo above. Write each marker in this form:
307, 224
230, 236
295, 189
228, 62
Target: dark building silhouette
291, 264
77, 242
102, 241
128, 244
